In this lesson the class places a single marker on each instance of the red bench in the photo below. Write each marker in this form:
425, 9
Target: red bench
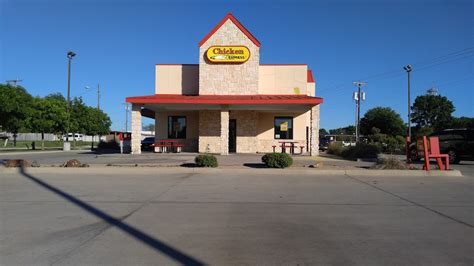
169, 146
434, 152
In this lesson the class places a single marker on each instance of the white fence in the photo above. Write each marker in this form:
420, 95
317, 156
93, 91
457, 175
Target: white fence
47, 137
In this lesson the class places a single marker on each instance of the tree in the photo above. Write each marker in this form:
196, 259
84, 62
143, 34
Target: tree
149, 127
385, 119
98, 123
79, 117
88, 120
48, 116
462, 122
432, 111
323, 132
348, 130
15, 107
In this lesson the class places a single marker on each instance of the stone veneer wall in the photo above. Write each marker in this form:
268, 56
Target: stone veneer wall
210, 131
224, 132
229, 79
136, 129
314, 131
246, 130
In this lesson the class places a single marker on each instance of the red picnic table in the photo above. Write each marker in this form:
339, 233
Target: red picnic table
169, 145
288, 144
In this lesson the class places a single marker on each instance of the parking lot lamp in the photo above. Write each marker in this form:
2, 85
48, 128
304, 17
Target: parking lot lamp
70, 55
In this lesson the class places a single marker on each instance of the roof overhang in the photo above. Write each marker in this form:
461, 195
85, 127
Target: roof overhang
264, 103
226, 99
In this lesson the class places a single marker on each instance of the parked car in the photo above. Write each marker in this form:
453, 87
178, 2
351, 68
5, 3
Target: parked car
148, 144
458, 143
323, 143
75, 136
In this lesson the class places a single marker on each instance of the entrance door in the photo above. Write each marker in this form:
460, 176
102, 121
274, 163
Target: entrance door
232, 135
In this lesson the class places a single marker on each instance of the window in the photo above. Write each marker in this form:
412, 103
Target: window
176, 127
283, 127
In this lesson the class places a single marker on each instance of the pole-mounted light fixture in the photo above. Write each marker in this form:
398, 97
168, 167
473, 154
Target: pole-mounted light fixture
70, 54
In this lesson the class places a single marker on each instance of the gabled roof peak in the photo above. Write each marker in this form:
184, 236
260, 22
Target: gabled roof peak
237, 23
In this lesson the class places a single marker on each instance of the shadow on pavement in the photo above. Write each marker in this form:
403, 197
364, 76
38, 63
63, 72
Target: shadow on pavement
156, 244
255, 165
189, 165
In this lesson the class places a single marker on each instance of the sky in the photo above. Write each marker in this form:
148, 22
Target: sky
119, 42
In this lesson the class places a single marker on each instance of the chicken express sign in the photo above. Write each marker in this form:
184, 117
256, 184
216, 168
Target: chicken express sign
228, 54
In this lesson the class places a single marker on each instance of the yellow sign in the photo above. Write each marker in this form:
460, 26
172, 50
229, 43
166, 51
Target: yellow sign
228, 54
284, 126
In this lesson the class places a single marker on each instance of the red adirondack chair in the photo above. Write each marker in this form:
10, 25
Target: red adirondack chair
434, 152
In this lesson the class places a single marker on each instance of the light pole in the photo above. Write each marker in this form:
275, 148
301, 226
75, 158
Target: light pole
408, 69
70, 55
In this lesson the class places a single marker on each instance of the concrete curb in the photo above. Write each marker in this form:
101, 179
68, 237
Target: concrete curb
170, 169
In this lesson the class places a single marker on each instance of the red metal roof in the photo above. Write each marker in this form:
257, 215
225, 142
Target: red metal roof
310, 76
237, 23
225, 99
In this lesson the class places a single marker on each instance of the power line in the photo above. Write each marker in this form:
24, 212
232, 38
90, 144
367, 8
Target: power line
421, 65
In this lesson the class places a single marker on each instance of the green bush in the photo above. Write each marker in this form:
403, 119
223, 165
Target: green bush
277, 160
361, 150
206, 160
335, 148
387, 143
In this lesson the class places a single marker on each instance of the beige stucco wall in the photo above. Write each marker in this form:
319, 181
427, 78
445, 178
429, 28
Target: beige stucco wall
266, 130
311, 89
192, 127
229, 79
283, 79
177, 79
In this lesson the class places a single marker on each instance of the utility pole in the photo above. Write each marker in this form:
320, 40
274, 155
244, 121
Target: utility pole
358, 96
98, 96
126, 117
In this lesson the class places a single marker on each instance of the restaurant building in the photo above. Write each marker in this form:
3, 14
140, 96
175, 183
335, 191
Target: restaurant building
229, 102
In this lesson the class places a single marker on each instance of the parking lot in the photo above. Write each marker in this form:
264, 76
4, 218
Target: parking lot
158, 216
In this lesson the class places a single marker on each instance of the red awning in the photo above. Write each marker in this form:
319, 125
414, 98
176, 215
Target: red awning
225, 99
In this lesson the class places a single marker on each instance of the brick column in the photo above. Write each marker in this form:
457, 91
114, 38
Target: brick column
314, 131
224, 132
136, 129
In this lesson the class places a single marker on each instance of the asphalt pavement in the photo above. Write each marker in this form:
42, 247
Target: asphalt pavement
172, 216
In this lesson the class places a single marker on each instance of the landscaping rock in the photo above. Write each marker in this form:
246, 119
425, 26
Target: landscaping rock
35, 164
74, 163
316, 165
17, 163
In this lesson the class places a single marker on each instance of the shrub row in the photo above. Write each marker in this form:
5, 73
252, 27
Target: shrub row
361, 150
